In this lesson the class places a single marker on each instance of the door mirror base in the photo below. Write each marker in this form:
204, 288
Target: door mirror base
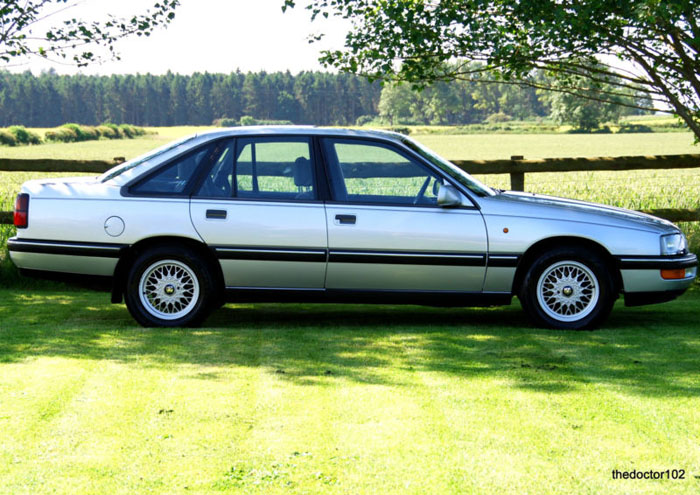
449, 196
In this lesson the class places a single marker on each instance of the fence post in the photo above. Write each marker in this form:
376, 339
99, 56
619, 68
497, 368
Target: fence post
517, 179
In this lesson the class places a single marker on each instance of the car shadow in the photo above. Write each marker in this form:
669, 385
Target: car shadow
649, 351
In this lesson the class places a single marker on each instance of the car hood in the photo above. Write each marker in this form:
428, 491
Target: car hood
542, 206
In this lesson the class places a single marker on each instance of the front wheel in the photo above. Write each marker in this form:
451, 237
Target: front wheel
568, 288
169, 287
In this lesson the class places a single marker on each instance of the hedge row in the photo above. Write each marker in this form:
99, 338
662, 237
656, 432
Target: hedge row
73, 133
69, 133
17, 135
248, 120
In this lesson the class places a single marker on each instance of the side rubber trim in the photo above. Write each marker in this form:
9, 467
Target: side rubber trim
407, 258
503, 260
270, 254
657, 262
95, 250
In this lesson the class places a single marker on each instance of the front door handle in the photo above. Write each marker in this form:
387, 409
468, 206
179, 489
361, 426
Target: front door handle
345, 219
221, 214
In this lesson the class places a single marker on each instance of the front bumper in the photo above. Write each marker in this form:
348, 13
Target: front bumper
642, 282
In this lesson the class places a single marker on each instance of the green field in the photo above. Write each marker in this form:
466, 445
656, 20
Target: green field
343, 400
455, 147
313, 399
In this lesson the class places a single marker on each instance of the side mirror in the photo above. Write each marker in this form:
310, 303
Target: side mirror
449, 197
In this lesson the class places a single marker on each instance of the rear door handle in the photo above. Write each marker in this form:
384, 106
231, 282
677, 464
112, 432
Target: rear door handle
345, 219
221, 214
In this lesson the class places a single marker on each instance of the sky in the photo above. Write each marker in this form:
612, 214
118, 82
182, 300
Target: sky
210, 35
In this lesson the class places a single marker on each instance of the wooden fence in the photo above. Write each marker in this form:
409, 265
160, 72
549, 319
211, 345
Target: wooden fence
516, 167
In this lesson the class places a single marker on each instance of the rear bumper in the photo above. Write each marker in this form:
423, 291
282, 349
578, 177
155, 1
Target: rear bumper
64, 256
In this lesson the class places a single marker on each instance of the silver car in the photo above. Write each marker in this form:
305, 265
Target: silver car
310, 214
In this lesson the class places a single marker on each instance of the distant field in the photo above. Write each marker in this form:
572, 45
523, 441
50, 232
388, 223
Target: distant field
465, 147
500, 146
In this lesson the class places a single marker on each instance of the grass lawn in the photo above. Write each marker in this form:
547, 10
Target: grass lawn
343, 399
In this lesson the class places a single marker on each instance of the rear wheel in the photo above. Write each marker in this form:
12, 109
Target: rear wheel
568, 288
169, 287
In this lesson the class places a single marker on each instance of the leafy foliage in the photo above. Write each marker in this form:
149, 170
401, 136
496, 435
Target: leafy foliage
69, 133
23, 136
7, 138
628, 45
24, 32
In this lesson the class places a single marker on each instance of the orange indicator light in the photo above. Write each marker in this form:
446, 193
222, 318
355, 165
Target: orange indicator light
675, 274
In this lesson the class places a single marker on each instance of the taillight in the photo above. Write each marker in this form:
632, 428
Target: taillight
22, 211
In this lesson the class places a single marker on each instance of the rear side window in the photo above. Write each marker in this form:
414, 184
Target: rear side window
174, 178
262, 168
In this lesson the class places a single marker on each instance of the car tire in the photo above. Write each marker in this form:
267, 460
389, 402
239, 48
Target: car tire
568, 288
169, 287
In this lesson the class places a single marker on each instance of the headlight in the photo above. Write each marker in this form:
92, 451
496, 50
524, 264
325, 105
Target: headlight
673, 244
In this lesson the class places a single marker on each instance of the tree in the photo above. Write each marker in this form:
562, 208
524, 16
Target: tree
395, 103
618, 46
26, 29
584, 114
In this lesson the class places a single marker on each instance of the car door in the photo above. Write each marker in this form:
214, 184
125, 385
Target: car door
385, 229
257, 207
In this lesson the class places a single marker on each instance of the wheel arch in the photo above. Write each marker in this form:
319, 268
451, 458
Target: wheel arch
534, 251
129, 255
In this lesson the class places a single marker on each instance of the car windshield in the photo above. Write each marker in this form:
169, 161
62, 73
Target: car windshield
120, 169
449, 168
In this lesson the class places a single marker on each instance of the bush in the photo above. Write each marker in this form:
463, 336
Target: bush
634, 128
62, 135
364, 120
109, 132
23, 136
89, 133
7, 138
71, 133
75, 128
497, 118
127, 130
131, 131
115, 129
248, 120
226, 122
597, 130
401, 130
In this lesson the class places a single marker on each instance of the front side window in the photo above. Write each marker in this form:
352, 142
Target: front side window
368, 172
262, 168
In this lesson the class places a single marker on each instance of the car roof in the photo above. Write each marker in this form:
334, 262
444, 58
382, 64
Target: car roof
301, 130
145, 162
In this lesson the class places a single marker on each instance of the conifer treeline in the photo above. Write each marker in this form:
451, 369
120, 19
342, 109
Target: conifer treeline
318, 98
